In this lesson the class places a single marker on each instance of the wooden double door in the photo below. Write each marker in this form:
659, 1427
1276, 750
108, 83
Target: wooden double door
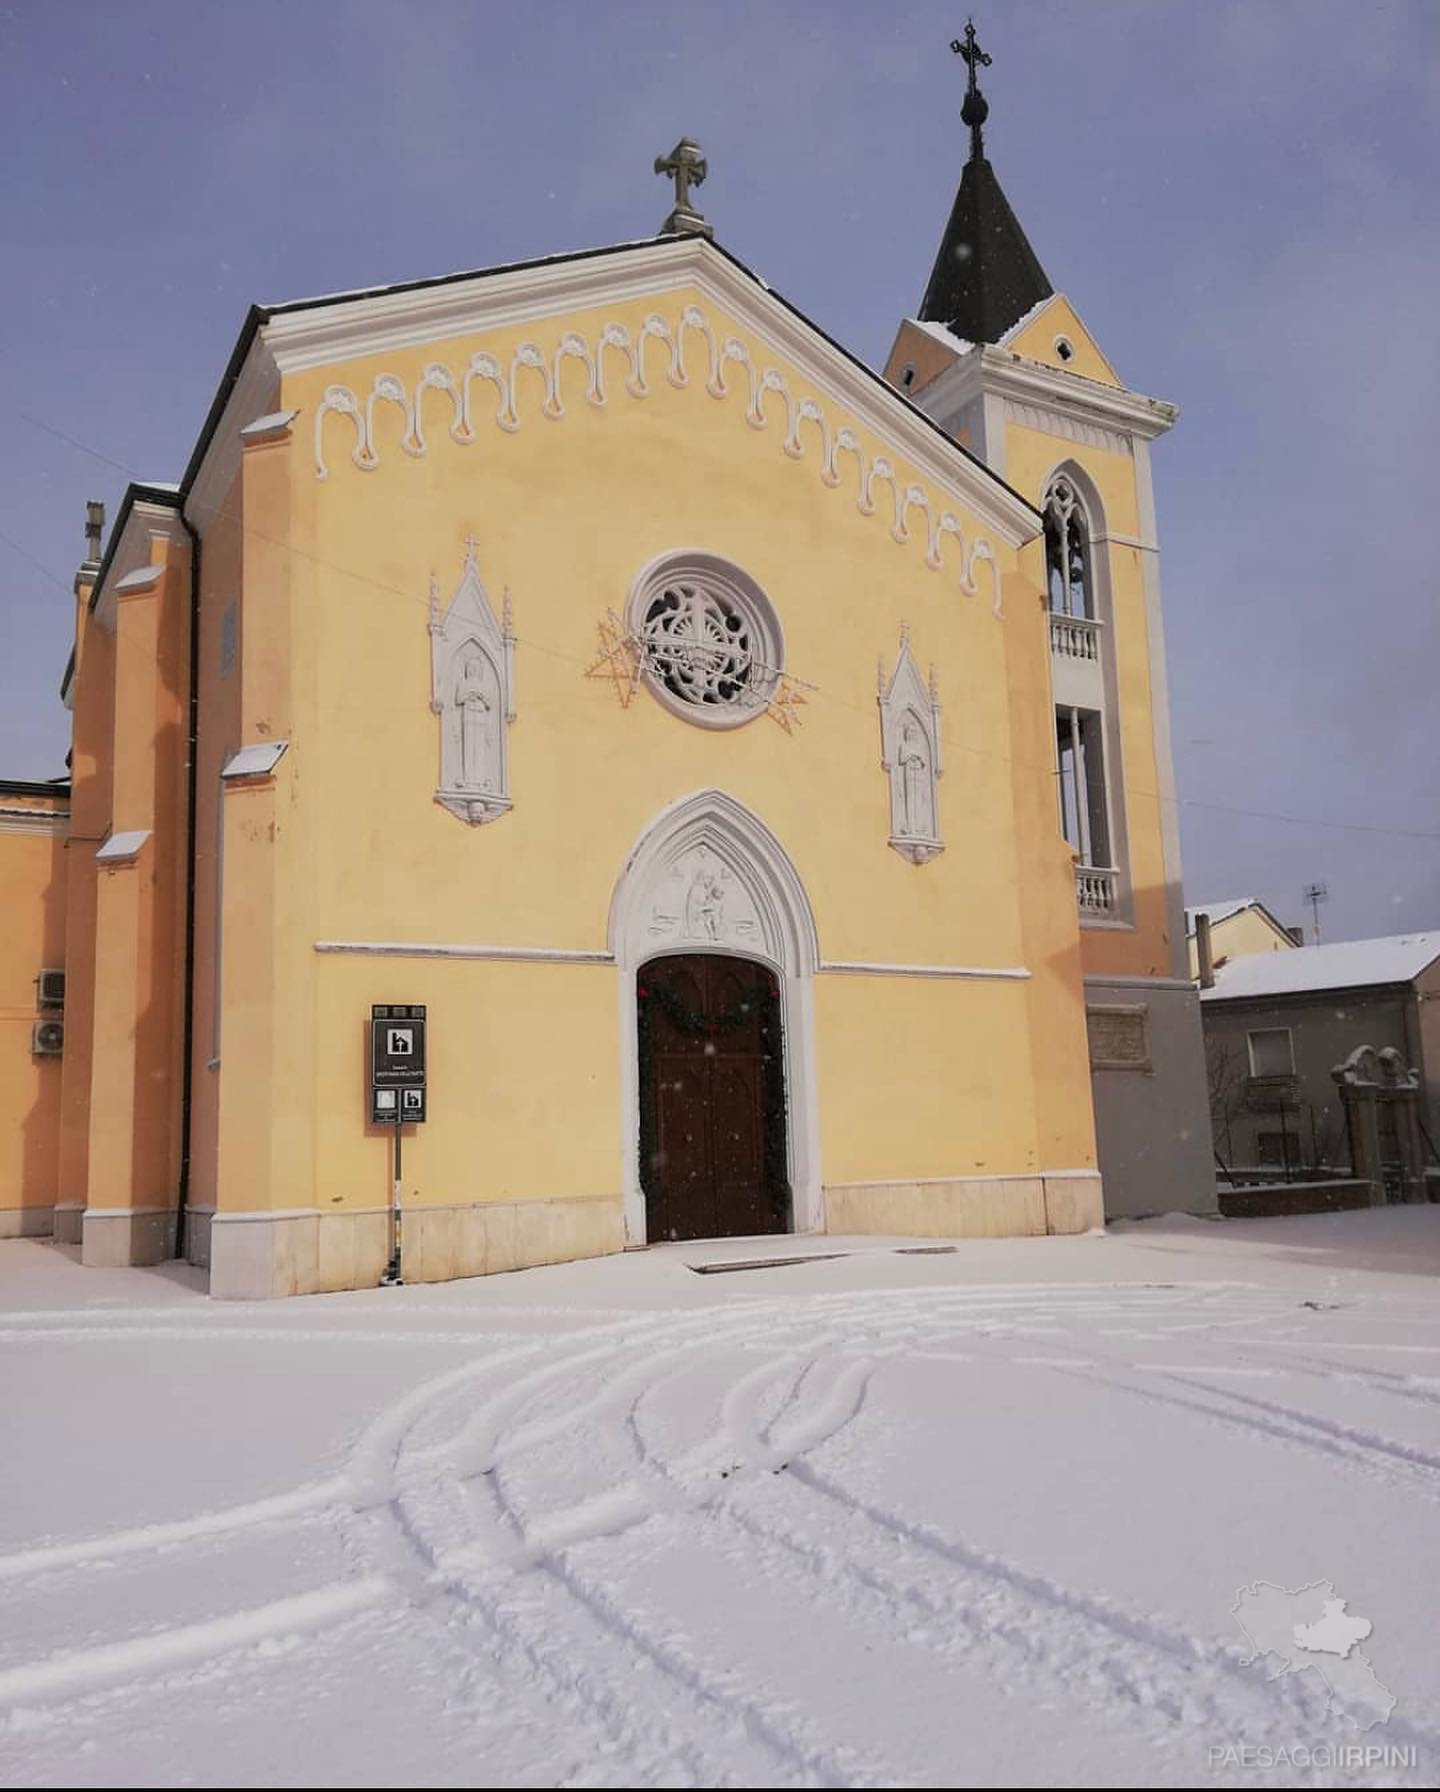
712, 1098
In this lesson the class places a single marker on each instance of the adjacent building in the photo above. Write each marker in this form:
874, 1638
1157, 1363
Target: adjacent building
1278, 1025
1238, 927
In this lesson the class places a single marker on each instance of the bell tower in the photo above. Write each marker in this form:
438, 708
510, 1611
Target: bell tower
1004, 364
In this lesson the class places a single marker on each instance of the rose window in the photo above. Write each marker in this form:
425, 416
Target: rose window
710, 646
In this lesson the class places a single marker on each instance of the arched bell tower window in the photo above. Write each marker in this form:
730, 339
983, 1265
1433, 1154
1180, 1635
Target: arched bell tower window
1068, 574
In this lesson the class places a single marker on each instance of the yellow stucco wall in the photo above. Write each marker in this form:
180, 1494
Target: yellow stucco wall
1059, 321
314, 614
134, 1116
91, 765
1032, 459
917, 348
917, 1077
32, 901
219, 676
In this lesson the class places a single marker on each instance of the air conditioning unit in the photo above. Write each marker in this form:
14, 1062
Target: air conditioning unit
51, 985
48, 1039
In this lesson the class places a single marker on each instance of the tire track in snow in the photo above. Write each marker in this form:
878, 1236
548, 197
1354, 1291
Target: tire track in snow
1152, 1666
1357, 1450
433, 1471
69, 1673
303, 1502
623, 1643
440, 1516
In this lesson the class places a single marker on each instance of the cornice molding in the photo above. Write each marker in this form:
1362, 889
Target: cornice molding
16, 819
272, 428
1048, 398
144, 578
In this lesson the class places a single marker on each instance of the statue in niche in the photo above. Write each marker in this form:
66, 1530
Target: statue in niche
910, 755
473, 701
472, 694
919, 823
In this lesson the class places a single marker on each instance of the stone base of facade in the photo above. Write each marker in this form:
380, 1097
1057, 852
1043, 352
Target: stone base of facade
127, 1237
969, 1206
69, 1220
27, 1222
260, 1256
1152, 1120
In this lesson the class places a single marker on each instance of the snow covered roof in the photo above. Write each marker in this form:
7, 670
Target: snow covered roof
942, 333
1350, 964
1218, 911
1025, 318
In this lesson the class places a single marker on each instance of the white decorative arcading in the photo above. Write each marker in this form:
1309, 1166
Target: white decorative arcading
342, 399
983, 551
437, 377
720, 357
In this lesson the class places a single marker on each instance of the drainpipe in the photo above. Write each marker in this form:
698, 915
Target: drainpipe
187, 1072
1205, 957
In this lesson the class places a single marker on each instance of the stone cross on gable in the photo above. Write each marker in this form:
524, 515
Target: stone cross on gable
686, 166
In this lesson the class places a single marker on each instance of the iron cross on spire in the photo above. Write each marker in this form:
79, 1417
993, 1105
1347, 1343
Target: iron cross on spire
686, 166
976, 108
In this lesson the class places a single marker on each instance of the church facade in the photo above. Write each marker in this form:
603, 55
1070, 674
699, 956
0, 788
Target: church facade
756, 768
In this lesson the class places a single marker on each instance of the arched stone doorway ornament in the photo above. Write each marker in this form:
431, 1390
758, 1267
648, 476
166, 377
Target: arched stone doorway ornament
708, 876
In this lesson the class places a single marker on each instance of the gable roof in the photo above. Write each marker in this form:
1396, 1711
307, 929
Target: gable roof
1349, 964
318, 331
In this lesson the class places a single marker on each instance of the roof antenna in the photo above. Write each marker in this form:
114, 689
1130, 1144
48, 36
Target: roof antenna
1315, 894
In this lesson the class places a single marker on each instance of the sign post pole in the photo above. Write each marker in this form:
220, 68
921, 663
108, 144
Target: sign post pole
393, 1276
397, 1098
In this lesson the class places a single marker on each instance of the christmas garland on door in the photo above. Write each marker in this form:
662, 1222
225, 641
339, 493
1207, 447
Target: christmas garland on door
699, 1024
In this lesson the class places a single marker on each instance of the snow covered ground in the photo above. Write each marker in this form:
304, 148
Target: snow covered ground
976, 1516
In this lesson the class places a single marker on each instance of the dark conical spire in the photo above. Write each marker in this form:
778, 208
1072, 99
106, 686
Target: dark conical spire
986, 275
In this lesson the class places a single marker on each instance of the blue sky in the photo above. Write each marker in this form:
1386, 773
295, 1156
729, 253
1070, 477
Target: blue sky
1239, 198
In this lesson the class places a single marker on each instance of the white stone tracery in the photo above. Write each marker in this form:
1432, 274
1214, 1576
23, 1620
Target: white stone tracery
910, 755
534, 370
472, 693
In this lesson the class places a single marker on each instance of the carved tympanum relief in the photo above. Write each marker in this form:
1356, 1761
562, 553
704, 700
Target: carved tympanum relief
702, 901
910, 755
473, 697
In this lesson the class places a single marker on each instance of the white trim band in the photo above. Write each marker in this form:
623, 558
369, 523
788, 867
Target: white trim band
419, 949
901, 1181
862, 968
574, 955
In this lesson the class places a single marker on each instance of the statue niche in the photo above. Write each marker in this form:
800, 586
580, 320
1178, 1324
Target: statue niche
472, 695
910, 754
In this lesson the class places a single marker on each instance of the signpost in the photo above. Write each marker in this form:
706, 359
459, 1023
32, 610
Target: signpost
397, 1095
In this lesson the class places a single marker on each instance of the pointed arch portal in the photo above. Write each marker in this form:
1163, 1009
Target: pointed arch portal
708, 881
